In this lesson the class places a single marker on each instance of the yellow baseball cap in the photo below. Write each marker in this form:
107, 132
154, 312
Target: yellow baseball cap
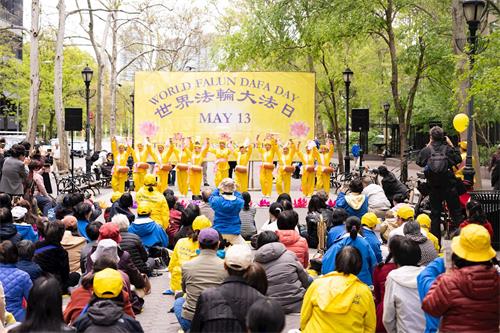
108, 283
473, 244
201, 222
150, 180
370, 220
143, 208
424, 220
463, 145
405, 212
115, 196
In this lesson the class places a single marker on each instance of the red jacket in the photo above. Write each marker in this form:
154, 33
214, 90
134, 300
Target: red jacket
379, 277
467, 299
487, 225
174, 226
295, 243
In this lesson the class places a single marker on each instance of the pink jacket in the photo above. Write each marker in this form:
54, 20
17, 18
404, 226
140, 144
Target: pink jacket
295, 243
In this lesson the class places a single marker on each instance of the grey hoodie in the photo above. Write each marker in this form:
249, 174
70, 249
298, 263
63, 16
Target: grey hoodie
287, 279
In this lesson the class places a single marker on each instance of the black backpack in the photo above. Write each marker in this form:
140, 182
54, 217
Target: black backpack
437, 164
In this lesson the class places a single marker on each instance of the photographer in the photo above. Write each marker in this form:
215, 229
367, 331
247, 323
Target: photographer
14, 171
438, 158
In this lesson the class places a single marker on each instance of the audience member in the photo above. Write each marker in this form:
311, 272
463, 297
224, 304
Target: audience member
275, 209
174, 219
475, 214
82, 212
185, 250
92, 230
24, 229
355, 203
227, 204
149, 194
188, 215
467, 296
204, 271
369, 222
339, 301
204, 205
265, 315
379, 278
26, 251
425, 223
391, 184
73, 243
44, 310
377, 201
427, 250
105, 310
290, 237
8, 230
14, 171
247, 217
122, 206
402, 308
16, 283
287, 279
150, 232
354, 238
224, 308
337, 228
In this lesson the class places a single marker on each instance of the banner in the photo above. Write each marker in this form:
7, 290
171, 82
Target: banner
235, 106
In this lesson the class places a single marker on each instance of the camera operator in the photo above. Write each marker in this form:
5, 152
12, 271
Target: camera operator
438, 158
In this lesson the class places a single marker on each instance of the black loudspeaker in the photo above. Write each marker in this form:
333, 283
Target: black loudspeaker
360, 120
73, 119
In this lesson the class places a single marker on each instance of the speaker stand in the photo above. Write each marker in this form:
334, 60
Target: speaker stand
72, 166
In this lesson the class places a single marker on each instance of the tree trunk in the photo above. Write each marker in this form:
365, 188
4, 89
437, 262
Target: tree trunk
58, 82
51, 124
319, 131
112, 83
34, 73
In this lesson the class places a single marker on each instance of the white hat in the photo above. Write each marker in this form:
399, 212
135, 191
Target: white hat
311, 144
18, 212
106, 247
227, 187
239, 257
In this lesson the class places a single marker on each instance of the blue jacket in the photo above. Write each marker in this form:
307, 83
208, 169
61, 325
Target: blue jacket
16, 285
424, 283
26, 231
334, 233
372, 239
226, 213
354, 204
150, 232
33, 269
369, 260
82, 224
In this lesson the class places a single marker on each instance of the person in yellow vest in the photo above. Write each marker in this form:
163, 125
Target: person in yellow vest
183, 154
163, 165
198, 156
221, 161
141, 154
285, 167
185, 250
267, 151
120, 169
241, 170
425, 223
308, 168
323, 169
149, 194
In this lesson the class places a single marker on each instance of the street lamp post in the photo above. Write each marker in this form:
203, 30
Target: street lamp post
347, 76
132, 97
473, 12
87, 78
387, 106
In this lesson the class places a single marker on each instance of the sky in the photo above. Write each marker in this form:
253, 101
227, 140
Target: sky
49, 16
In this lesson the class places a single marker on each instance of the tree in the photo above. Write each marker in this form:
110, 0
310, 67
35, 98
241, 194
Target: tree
34, 72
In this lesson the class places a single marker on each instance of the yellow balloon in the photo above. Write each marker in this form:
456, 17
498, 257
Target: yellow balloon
461, 122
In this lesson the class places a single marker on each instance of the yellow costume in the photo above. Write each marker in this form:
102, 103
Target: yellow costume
459, 170
140, 156
155, 199
307, 160
323, 179
184, 156
196, 171
221, 164
241, 176
162, 158
266, 170
118, 178
283, 178
185, 250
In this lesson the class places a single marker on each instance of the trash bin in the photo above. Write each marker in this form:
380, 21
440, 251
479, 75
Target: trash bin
490, 201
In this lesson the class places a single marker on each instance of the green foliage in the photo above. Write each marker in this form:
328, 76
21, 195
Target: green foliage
15, 78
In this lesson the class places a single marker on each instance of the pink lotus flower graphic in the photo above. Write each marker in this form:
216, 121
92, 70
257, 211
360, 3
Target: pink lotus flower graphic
148, 129
224, 137
299, 129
